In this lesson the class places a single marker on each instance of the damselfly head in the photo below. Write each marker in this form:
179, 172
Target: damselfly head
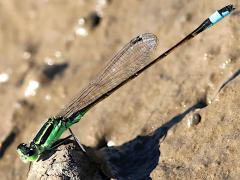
27, 153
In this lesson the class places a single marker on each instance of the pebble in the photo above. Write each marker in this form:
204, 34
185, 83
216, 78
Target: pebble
194, 120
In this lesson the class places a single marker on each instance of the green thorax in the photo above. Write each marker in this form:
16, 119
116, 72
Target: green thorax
52, 130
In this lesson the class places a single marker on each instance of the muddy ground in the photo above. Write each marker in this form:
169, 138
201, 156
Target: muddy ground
50, 49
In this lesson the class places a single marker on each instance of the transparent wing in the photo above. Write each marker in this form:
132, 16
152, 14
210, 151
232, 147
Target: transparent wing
126, 63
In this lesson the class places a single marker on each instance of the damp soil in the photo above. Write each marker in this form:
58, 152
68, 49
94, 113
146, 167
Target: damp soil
50, 50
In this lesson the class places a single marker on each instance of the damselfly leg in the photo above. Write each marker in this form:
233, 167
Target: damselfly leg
77, 140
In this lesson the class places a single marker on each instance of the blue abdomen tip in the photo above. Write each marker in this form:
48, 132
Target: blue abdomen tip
215, 17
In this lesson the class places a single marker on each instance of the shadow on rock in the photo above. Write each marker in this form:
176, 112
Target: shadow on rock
232, 77
137, 158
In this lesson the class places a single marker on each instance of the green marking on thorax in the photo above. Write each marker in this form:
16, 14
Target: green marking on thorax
52, 131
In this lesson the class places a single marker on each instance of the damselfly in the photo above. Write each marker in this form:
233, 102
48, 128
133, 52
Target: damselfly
128, 63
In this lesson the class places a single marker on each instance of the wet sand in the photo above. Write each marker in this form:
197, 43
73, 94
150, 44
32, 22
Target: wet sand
51, 49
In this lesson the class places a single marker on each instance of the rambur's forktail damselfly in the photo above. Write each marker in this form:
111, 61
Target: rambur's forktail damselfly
128, 63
